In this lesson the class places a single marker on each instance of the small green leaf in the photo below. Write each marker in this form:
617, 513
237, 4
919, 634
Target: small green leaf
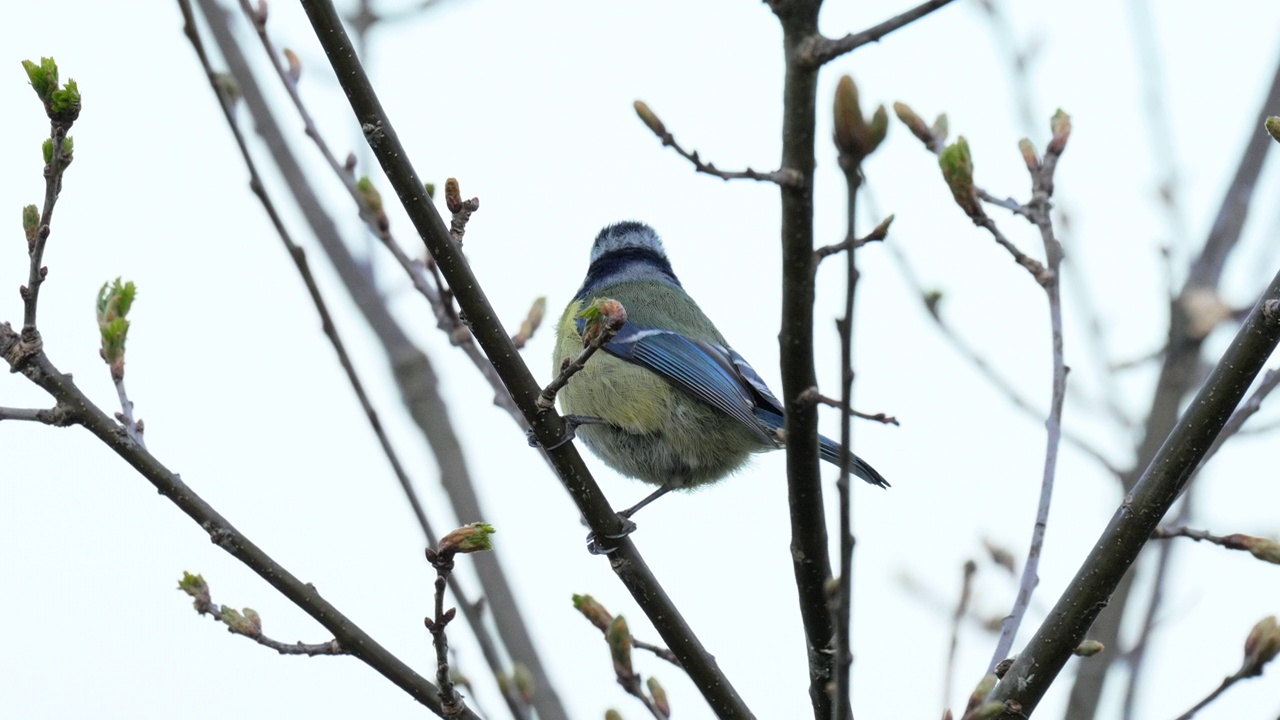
66, 100
43, 77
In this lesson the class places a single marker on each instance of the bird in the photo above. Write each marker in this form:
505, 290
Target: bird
668, 401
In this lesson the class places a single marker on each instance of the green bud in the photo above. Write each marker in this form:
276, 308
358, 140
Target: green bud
605, 317
31, 223
468, 539
524, 683
114, 302
619, 638
431, 190
850, 128
593, 611
194, 585
373, 200
914, 123
878, 129
932, 299
940, 129
1029, 155
1262, 645
986, 711
1060, 125
612, 714
228, 86
957, 170
247, 623
1273, 126
370, 193
66, 101
659, 695
981, 691
46, 148
1089, 648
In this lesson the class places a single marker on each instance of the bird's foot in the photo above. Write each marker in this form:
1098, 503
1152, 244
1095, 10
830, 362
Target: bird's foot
571, 423
596, 546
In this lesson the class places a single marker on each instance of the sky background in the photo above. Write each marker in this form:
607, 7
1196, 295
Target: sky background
530, 106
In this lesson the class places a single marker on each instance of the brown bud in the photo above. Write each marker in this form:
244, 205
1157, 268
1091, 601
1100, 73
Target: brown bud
1060, 124
650, 119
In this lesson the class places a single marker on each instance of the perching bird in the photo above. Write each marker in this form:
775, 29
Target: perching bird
668, 401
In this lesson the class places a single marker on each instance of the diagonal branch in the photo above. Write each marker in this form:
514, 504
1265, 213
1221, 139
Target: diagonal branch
1179, 373
1140, 512
40, 370
547, 426
822, 50
414, 375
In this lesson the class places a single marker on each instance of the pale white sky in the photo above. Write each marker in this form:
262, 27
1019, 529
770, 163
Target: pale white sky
530, 106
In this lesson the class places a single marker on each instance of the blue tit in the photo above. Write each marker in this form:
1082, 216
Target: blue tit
668, 401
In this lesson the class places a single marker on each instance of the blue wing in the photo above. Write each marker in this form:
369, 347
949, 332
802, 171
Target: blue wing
722, 378
708, 371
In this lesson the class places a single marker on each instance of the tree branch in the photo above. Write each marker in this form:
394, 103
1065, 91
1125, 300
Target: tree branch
822, 50
1130, 528
810, 559
548, 426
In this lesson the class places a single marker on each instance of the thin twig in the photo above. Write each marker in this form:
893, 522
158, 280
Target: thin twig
57, 416
961, 611
813, 396
460, 208
784, 177
850, 242
1247, 409
1243, 673
1042, 191
449, 698
132, 426
851, 165
1042, 275
247, 622
608, 326
823, 50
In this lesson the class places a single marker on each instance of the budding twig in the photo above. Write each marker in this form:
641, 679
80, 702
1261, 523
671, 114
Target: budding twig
605, 317
784, 176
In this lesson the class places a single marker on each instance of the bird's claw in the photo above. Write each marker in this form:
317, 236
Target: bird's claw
596, 546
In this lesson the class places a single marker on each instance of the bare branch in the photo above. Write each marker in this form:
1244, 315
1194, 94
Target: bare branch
1171, 467
823, 50
878, 234
961, 611
813, 396
57, 416
784, 177
1042, 191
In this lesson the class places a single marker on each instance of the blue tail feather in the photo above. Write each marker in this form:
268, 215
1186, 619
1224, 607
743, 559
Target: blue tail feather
828, 450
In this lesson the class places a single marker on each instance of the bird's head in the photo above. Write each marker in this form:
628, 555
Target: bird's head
624, 252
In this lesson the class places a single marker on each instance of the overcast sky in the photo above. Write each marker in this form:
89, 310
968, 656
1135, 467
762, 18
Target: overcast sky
530, 106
